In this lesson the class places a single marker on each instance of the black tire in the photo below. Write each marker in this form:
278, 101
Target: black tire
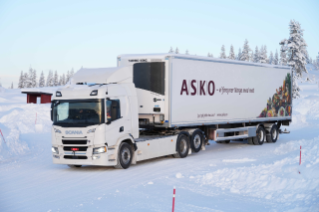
182, 146
125, 156
272, 137
197, 140
75, 166
260, 136
250, 141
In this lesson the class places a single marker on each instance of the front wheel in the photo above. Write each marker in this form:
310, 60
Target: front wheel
125, 155
182, 146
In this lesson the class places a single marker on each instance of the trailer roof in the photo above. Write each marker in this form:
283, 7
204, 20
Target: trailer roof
195, 57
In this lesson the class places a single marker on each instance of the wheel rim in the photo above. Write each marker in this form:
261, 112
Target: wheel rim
274, 134
183, 146
261, 136
197, 141
125, 155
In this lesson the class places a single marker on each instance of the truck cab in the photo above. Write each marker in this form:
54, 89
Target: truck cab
90, 120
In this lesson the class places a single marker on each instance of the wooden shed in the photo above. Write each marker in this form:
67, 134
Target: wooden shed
33, 95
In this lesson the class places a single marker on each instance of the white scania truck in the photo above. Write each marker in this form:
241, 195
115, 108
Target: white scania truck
155, 105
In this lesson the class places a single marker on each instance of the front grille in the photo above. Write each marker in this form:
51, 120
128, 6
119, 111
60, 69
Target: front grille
68, 148
74, 141
75, 157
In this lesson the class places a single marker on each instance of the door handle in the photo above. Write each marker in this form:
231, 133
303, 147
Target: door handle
121, 129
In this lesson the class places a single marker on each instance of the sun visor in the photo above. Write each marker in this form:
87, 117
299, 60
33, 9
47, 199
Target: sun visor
103, 75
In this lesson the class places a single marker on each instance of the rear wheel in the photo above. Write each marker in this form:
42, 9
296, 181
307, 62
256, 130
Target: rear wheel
124, 156
182, 146
197, 140
260, 136
273, 134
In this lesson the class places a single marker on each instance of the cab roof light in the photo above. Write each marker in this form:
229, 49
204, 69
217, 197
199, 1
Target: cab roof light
58, 94
94, 93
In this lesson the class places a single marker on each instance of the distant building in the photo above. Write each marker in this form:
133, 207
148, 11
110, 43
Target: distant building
33, 94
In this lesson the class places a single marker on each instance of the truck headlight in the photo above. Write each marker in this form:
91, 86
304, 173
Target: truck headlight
57, 130
91, 130
55, 150
99, 150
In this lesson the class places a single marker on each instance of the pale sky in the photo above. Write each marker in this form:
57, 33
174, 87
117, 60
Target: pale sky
61, 35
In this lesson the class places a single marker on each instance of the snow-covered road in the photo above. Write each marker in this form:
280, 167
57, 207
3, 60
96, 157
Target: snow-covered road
224, 177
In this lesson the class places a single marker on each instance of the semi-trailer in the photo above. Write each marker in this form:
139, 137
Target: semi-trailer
154, 105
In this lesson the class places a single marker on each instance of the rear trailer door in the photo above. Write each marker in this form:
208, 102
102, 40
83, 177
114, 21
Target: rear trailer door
204, 92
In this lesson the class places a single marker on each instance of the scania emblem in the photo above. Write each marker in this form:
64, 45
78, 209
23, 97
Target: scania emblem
72, 132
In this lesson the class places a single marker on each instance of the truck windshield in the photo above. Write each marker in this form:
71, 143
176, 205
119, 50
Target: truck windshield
78, 113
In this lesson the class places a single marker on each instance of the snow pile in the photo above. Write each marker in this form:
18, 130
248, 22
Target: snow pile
279, 181
18, 119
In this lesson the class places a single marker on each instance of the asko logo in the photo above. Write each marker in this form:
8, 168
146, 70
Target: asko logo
197, 87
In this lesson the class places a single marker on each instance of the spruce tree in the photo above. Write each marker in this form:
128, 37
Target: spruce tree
12, 85
251, 57
239, 54
245, 53
271, 58
21, 83
171, 50
296, 49
231, 53
34, 78
276, 60
256, 55
26, 80
63, 79
186, 52
67, 77
222, 53
56, 79
176, 51
41, 80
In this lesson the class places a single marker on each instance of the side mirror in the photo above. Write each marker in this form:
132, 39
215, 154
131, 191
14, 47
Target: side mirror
108, 122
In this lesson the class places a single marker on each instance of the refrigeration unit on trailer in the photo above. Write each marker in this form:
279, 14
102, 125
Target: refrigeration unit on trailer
166, 104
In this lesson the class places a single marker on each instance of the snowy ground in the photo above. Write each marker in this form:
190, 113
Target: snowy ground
225, 177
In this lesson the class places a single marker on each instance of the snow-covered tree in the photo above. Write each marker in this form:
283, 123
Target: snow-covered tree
67, 77
222, 53
295, 46
50, 80
56, 79
21, 83
41, 80
262, 55
256, 55
12, 85
276, 60
283, 56
171, 50
176, 51
239, 54
266, 55
231, 53
186, 51
33, 78
245, 53
251, 56
25, 80
271, 58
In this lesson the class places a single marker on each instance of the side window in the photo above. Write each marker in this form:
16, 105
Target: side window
150, 76
113, 109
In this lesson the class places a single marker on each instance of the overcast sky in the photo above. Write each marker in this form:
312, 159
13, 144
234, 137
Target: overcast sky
61, 35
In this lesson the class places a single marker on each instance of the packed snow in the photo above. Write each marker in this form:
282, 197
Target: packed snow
224, 177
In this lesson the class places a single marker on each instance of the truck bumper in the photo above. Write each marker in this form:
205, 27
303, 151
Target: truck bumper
84, 158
